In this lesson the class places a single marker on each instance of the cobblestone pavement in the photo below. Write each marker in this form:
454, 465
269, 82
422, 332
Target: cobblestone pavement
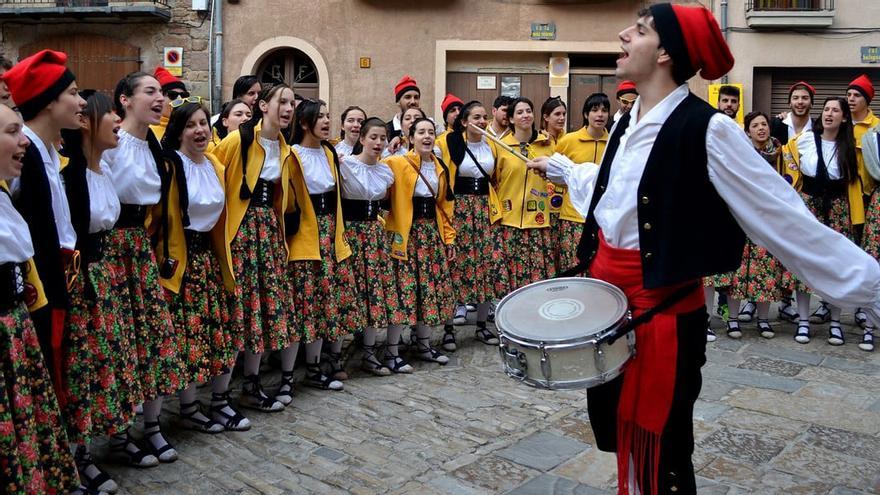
774, 417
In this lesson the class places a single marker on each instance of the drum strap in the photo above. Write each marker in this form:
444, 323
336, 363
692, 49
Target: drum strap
645, 317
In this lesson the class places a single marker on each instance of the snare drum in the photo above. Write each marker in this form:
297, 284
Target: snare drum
552, 333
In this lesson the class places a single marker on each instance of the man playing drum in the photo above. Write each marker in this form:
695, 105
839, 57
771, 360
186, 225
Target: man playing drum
678, 185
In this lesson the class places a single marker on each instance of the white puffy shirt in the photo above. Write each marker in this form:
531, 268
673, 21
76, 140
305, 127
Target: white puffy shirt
365, 182
343, 149
271, 171
103, 203
483, 153
806, 145
429, 172
316, 169
133, 171
15, 238
206, 197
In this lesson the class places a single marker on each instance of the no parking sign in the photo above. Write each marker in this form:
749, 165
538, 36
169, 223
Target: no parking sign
173, 60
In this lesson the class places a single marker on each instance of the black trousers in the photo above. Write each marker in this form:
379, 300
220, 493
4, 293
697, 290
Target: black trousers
676, 472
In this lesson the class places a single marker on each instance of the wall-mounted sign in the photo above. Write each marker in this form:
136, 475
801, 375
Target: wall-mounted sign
543, 31
173, 60
871, 54
558, 72
364, 62
486, 82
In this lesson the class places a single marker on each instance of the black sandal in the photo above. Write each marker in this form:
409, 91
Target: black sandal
125, 449
867, 343
317, 379
284, 395
803, 333
765, 329
428, 353
835, 334
253, 397
165, 453
190, 422
396, 364
370, 363
448, 342
485, 336
733, 330
101, 482
234, 422
337, 369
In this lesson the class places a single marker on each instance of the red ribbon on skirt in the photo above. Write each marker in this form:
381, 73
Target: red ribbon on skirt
649, 379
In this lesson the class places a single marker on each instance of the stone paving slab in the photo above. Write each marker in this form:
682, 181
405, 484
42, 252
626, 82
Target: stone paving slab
752, 378
543, 451
547, 484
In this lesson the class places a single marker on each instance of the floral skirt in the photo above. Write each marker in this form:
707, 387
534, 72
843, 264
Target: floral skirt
871, 233
324, 291
199, 313
759, 277
528, 256
34, 453
565, 236
101, 363
424, 289
261, 317
372, 270
142, 306
837, 218
477, 252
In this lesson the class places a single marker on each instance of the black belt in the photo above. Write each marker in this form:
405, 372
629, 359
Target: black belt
424, 208
830, 189
472, 186
360, 210
263, 194
11, 285
132, 216
197, 242
94, 249
324, 203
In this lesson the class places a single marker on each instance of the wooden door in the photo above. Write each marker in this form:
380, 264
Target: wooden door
583, 85
97, 62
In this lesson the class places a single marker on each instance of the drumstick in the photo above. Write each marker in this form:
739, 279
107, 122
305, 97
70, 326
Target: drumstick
500, 143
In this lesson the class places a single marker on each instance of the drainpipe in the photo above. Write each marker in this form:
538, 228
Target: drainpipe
217, 89
724, 29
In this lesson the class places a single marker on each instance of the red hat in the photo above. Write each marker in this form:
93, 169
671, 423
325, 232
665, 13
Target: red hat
693, 39
167, 80
626, 87
405, 84
37, 80
449, 101
802, 85
862, 84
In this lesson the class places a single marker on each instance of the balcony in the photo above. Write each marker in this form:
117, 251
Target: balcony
42, 10
776, 14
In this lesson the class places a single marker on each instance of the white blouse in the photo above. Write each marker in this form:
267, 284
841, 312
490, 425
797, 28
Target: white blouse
133, 171
206, 197
271, 171
343, 149
15, 238
483, 153
104, 205
316, 169
429, 172
365, 182
806, 144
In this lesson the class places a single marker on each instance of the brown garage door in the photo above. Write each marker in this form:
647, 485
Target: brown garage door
97, 62
771, 85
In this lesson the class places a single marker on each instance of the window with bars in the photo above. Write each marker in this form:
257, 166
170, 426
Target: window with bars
790, 5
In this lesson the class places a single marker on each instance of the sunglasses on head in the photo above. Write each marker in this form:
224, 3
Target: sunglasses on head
189, 99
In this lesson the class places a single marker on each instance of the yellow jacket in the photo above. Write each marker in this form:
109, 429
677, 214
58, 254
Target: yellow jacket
177, 241
580, 147
159, 129
228, 153
523, 194
859, 130
32, 277
399, 219
305, 245
214, 141
791, 167
494, 204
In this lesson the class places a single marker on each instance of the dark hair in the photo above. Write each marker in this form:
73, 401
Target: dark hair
846, 142
127, 86
422, 116
511, 107
501, 101
366, 125
222, 130
5, 63
455, 141
345, 116
752, 116
412, 132
458, 125
729, 91
177, 124
266, 94
246, 131
298, 97
549, 105
593, 101
449, 109
306, 115
243, 84
97, 105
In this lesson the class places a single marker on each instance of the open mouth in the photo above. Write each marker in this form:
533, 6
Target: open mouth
623, 55
18, 157
200, 140
116, 129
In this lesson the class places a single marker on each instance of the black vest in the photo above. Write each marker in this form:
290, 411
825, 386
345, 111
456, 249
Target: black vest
686, 230
34, 202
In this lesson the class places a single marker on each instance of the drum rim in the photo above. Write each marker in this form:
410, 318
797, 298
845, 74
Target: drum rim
584, 339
